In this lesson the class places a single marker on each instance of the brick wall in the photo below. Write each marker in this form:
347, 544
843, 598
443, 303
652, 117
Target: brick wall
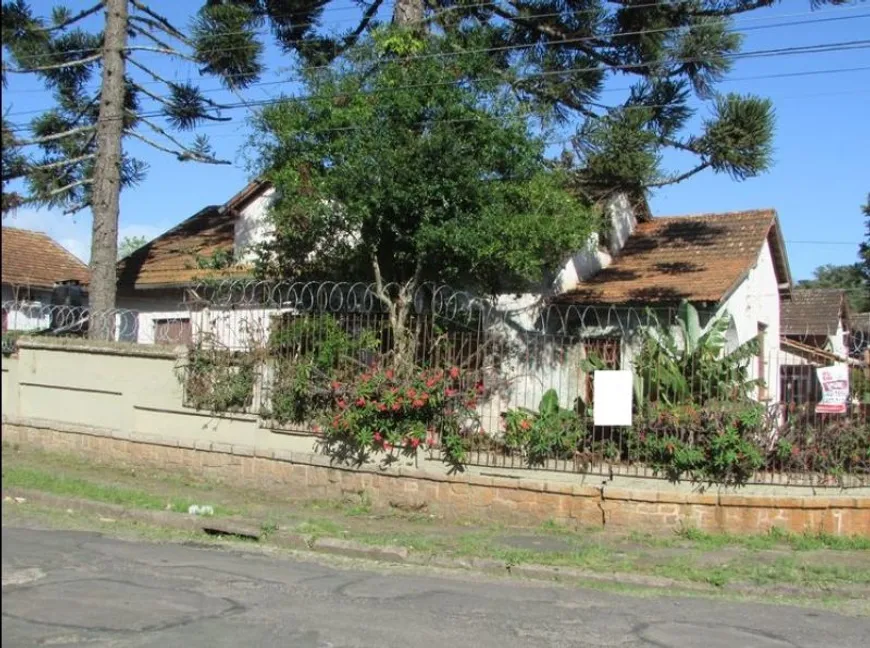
462, 496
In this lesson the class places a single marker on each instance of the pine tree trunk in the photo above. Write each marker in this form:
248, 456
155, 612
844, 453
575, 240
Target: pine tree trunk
107, 175
408, 12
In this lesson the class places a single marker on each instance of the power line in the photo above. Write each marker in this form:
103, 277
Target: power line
551, 43
811, 49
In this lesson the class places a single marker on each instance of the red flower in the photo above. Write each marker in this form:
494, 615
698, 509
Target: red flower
397, 407
525, 424
430, 437
389, 374
454, 372
424, 396
415, 442
378, 438
382, 407
336, 384
388, 446
449, 392
431, 383
417, 404
412, 393
342, 403
479, 387
361, 402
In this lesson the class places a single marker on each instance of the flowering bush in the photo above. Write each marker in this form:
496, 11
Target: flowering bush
826, 444
551, 432
379, 411
718, 443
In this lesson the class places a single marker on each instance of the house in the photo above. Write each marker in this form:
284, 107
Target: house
38, 273
155, 281
815, 331
729, 264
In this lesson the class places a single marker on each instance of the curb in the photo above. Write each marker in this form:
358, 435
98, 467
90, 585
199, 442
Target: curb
249, 529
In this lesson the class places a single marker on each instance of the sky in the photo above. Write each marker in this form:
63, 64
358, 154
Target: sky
817, 184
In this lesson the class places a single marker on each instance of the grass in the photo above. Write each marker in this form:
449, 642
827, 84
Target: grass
59, 484
814, 561
775, 538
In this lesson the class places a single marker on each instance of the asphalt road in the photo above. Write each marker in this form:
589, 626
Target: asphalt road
64, 588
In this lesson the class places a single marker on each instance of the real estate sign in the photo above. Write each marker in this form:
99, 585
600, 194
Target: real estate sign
835, 389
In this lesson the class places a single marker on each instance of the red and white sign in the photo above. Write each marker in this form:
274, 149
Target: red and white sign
835, 389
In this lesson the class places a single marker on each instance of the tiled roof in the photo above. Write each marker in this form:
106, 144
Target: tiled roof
171, 258
699, 258
812, 311
35, 259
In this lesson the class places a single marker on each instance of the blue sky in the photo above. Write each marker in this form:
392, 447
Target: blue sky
820, 177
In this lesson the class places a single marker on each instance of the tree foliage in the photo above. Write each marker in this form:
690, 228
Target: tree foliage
558, 56
413, 171
844, 277
130, 244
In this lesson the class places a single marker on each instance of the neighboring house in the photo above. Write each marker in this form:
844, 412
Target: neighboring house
730, 264
815, 329
214, 243
37, 273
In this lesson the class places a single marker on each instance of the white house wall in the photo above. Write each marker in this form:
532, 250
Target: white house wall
29, 315
756, 301
252, 227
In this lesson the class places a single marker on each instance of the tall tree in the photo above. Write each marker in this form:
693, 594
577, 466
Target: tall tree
80, 161
558, 55
410, 171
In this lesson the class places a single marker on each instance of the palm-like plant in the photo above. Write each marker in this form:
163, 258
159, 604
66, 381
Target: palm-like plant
681, 363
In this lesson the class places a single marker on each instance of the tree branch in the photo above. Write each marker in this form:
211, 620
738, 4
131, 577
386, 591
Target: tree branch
679, 178
74, 19
185, 155
161, 50
69, 187
364, 22
60, 163
153, 24
55, 66
56, 136
380, 290
147, 34
168, 26
166, 102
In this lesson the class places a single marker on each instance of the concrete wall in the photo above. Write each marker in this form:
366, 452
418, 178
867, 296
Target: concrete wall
124, 403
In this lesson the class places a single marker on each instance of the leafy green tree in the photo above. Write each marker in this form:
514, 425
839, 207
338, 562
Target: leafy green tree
409, 171
845, 277
130, 244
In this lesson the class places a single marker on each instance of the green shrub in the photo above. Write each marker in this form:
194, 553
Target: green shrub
551, 432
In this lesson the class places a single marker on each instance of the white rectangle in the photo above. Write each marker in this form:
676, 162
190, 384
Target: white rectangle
612, 395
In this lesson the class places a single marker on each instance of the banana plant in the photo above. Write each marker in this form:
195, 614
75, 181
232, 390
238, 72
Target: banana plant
683, 363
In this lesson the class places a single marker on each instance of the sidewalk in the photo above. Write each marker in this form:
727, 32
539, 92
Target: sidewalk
64, 491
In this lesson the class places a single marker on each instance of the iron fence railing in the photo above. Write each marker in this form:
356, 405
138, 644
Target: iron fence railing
302, 355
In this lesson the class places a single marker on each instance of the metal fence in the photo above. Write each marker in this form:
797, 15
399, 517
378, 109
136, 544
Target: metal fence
307, 356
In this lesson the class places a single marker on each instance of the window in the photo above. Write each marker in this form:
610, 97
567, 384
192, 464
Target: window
173, 331
607, 351
762, 362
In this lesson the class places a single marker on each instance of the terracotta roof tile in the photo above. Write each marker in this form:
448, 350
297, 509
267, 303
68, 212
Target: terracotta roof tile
812, 311
35, 259
698, 258
171, 258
